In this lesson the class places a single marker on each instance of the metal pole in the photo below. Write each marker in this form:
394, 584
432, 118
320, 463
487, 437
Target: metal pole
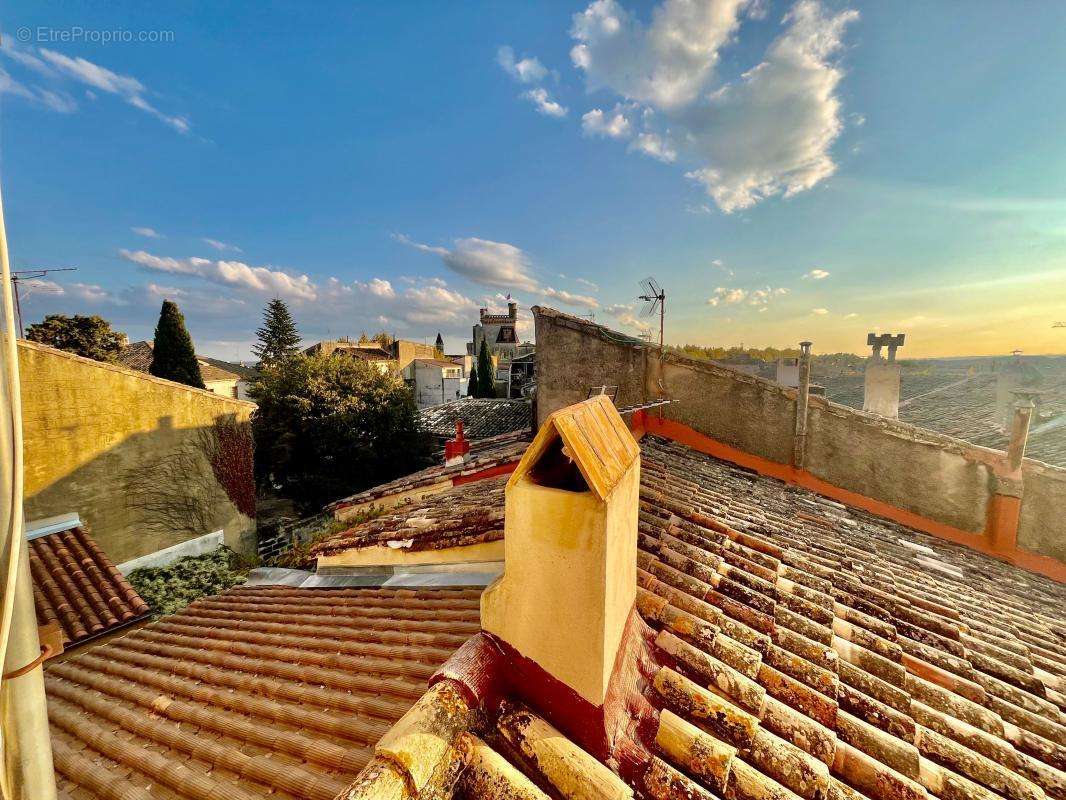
799, 447
18, 306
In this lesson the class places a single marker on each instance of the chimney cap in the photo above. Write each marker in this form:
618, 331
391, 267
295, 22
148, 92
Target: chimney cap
594, 437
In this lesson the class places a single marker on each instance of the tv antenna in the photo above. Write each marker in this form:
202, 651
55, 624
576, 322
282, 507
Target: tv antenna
29, 275
654, 300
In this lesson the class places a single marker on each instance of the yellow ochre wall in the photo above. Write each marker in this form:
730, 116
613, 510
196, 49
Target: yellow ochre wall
129, 452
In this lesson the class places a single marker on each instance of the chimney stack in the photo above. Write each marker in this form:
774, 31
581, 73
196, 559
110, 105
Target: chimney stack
1019, 429
1009, 377
882, 376
570, 545
799, 446
455, 450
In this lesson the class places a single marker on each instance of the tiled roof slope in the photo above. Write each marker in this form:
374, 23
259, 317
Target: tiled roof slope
259, 692
463, 515
76, 586
483, 455
482, 417
803, 649
138, 356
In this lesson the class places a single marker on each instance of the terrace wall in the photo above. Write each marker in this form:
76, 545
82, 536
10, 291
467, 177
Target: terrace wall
936, 482
146, 462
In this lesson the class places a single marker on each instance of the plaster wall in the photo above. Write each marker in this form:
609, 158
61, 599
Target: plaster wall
130, 453
1041, 528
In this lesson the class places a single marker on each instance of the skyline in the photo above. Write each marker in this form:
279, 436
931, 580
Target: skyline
786, 171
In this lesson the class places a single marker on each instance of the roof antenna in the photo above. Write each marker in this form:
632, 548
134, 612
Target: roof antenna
27, 275
654, 300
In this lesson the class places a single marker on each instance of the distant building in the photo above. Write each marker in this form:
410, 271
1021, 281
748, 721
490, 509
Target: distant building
220, 377
371, 352
434, 381
499, 332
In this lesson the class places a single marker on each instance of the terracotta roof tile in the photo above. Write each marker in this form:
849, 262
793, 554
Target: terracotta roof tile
76, 586
812, 650
262, 691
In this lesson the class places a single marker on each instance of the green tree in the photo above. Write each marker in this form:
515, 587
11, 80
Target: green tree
278, 338
173, 356
329, 427
90, 337
486, 373
471, 384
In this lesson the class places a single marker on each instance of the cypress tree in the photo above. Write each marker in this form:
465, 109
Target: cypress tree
486, 375
471, 386
278, 338
173, 356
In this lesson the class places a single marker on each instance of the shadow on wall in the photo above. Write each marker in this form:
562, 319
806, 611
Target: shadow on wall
161, 487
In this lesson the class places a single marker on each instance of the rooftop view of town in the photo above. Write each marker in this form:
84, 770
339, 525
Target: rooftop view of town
593, 400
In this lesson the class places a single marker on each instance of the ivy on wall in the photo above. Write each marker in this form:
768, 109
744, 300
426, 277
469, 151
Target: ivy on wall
233, 465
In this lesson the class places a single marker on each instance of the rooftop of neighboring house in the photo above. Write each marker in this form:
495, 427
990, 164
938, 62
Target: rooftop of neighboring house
264, 691
435, 362
957, 397
138, 356
240, 370
482, 417
786, 646
77, 591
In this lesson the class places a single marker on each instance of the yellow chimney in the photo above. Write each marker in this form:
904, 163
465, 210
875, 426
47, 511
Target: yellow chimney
570, 547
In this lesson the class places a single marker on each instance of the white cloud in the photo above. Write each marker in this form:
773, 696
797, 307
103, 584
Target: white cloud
816, 274
93, 75
542, 100
623, 312
651, 144
81, 292
527, 70
587, 283
727, 296
149, 233
851, 315
55, 101
665, 64
378, 287
222, 247
768, 133
483, 261
263, 280
820, 311
612, 125
570, 299
771, 132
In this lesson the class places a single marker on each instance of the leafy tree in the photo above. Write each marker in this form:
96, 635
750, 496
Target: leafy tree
486, 375
471, 385
381, 338
173, 356
90, 337
329, 427
278, 338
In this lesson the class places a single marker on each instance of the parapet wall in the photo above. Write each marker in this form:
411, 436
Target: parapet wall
146, 462
928, 477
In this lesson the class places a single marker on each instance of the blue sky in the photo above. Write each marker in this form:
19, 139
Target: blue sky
786, 170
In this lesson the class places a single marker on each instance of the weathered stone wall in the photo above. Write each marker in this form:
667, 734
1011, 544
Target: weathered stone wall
147, 463
917, 470
1042, 529
937, 477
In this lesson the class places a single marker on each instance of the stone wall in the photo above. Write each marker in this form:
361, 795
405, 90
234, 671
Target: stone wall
146, 463
939, 478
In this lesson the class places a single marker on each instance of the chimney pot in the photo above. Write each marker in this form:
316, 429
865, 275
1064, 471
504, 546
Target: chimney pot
455, 450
